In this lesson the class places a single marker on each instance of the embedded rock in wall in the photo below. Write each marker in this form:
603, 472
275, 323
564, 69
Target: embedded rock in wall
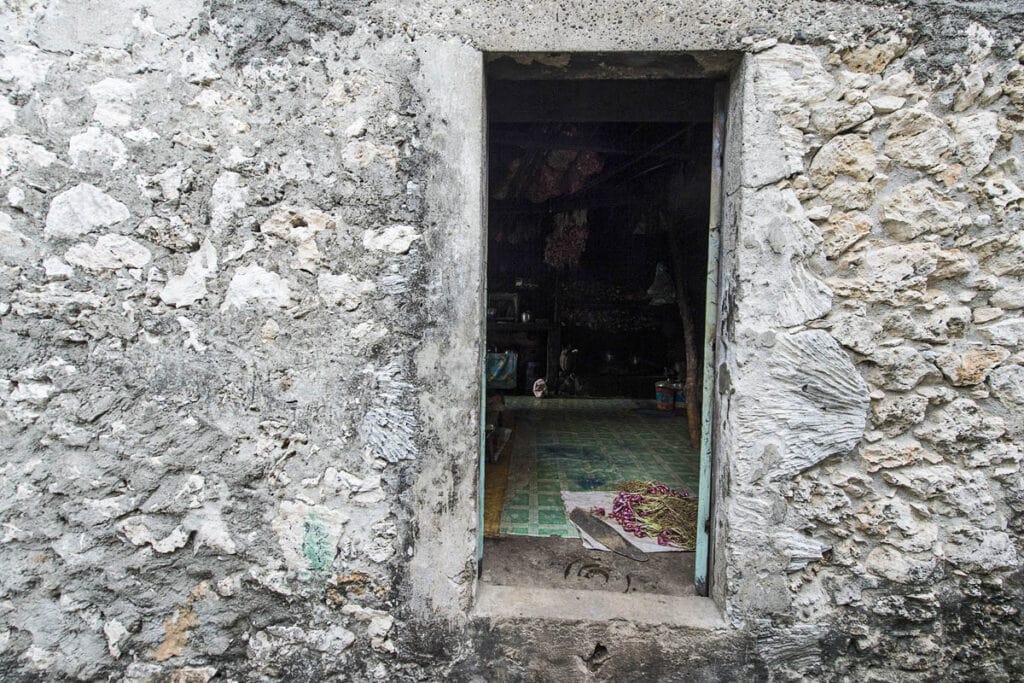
976, 138
959, 426
97, 151
896, 414
819, 406
900, 369
109, 253
971, 366
190, 286
81, 210
779, 284
344, 290
845, 155
985, 551
918, 139
253, 283
842, 230
1007, 385
792, 77
919, 208
394, 239
896, 274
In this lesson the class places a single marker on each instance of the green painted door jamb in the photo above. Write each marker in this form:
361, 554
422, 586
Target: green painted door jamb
702, 555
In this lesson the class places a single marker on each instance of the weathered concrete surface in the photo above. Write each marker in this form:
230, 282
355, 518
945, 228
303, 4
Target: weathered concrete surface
240, 285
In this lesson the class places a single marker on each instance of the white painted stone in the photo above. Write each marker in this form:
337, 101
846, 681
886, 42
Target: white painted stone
96, 150
918, 139
344, 290
81, 210
189, 287
976, 137
227, 199
114, 98
254, 284
394, 239
25, 66
17, 151
110, 252
920, 208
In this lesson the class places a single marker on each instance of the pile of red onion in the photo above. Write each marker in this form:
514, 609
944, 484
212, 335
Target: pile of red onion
633, 511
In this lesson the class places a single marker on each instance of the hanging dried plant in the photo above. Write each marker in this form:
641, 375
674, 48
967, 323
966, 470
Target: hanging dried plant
567, 243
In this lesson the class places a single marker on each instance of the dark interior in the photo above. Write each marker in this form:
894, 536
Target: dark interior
626, 165
597, 252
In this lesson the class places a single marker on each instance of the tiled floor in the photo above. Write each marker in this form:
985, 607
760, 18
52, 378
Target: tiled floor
587, 445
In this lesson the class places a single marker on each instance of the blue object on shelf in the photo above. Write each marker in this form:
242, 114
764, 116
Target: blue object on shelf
501, 370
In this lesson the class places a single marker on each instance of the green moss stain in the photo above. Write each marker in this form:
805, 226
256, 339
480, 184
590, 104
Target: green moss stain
316, 545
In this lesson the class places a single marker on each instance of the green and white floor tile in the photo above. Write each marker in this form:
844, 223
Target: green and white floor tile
587, 445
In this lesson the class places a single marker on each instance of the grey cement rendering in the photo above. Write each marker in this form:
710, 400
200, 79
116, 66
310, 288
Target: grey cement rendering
240, 313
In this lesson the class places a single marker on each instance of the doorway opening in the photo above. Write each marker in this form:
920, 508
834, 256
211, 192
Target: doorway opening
600, 197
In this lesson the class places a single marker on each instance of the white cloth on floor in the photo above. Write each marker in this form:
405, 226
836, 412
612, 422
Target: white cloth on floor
604, 499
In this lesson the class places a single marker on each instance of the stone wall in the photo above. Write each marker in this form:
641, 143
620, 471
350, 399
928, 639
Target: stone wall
239, 307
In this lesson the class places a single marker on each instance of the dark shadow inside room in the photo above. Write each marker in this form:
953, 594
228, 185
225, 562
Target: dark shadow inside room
597, 266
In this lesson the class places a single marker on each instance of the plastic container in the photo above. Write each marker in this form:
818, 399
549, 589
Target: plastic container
680, 396
665, 394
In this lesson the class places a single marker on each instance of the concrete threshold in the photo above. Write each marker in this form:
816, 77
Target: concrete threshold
567, 604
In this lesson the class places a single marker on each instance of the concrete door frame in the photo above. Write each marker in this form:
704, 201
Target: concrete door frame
704, 546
